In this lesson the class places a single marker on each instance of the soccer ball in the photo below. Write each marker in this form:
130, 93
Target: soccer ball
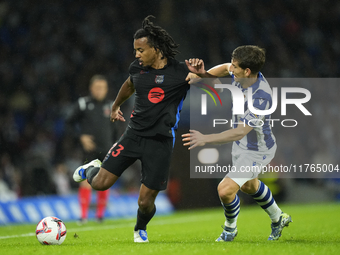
51, 230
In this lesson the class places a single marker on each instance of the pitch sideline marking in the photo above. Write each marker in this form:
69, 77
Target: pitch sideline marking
187, 218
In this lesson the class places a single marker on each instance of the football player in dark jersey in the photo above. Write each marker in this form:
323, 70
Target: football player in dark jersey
160, 86
95, 139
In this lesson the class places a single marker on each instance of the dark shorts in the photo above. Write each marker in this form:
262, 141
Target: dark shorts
153, 152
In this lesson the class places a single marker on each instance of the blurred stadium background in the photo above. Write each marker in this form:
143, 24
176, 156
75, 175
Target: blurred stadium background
50, 49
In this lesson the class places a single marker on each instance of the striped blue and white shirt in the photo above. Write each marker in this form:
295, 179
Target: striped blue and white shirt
261, 137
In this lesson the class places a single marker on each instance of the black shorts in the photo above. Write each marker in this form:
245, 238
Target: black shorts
153, 152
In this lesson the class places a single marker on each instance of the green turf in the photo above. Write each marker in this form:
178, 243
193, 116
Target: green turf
315, 230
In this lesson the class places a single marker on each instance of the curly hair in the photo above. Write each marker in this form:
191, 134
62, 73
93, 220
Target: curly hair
157, 38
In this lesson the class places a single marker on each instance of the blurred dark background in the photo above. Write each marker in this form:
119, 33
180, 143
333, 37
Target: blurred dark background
49, 50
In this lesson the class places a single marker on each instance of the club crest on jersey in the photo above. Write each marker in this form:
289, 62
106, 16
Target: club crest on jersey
159, 79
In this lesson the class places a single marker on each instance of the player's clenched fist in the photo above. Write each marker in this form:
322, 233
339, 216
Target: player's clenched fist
195, 66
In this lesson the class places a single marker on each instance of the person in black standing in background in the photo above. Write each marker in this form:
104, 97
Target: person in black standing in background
158, 81
92, 115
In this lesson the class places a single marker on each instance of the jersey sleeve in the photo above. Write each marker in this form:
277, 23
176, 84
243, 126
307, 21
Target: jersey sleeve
184, 70
133, 69
184, 67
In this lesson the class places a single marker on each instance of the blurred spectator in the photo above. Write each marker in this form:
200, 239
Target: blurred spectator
96, 134
61, 179
9, 179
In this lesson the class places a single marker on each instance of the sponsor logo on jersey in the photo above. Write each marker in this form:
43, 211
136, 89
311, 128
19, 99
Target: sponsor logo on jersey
159, 79
156, 95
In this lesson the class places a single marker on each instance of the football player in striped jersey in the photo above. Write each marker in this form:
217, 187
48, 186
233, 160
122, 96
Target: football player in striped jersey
254, 143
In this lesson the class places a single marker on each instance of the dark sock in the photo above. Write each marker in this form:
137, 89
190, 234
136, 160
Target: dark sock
91, 172
143, 219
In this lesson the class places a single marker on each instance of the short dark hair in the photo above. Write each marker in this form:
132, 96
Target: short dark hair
249, 56
157, 38
97, 77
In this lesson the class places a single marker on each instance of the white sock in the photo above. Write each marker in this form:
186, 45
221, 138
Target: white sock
264, 198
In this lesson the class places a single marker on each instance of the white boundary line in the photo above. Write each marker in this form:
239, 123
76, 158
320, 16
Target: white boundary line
159, 221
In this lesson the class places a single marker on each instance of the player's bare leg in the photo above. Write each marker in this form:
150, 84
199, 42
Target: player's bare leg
227, 190
146, 210
250, 187
103, 180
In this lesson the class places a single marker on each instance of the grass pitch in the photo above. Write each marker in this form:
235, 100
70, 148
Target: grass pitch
315, 230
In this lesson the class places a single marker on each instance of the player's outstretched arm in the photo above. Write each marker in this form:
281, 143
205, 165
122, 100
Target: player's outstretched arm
197, 71
220, 70
195, 138
196, 67
124, 93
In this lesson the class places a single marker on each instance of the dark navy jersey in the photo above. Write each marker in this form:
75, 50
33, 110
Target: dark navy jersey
93, 118
159, 98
